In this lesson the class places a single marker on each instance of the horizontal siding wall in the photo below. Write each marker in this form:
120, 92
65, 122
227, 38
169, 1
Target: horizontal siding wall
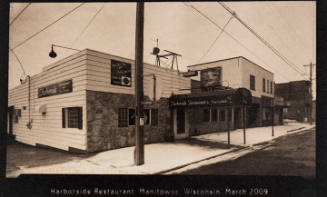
99, 77
48, 129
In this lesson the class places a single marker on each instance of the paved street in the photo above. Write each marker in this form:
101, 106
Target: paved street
291, 155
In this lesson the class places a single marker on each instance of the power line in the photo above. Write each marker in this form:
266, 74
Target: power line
48, 26
13, 20
287, 61
213, 43
20, 63
231, 36
88, 24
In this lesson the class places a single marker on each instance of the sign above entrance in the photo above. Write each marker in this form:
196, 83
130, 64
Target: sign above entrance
55, 89
240, 96
211, 77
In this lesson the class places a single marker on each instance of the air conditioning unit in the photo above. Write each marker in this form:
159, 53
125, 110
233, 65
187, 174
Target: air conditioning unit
126, 81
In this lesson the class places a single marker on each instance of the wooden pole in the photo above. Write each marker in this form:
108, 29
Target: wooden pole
139, 93
229, 118
272, 121
244, 126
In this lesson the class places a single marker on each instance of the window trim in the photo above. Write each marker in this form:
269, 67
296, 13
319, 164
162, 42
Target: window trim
65, 117
121, 118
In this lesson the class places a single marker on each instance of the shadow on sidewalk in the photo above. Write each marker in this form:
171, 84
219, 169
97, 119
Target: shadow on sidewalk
207, 143
25, 156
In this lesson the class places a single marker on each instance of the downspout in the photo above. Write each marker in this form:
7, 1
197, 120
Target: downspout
29, 124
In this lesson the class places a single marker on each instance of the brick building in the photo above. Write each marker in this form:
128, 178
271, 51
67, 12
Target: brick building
297, 95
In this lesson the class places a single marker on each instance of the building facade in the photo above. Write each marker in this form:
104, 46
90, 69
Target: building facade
214, 114
86, 103
297, 95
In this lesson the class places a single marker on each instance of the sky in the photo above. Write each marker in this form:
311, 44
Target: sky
290, 27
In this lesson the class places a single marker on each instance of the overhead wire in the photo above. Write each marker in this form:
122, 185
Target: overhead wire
218, 36
20, 63
16, 17
88, 24
232, 37
285, 59
54, 22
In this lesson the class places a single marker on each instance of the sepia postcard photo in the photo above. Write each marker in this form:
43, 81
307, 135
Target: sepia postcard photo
162, 88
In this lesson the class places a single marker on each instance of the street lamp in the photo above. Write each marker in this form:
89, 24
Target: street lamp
53, 54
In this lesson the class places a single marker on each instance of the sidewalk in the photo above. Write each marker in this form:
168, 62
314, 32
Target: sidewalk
162, 157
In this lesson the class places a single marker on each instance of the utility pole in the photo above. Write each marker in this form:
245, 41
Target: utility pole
244, 124
310, 91
139, 93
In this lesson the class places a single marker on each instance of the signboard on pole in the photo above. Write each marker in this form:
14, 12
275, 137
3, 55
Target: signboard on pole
121, 73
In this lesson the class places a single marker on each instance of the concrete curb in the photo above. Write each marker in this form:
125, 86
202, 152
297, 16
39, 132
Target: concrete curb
231, 151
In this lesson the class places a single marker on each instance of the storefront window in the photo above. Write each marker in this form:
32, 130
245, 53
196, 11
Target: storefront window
229, 114
122, 117
131, 116
214, 115
72, 117
154, 117
146, 116
222, 115
206, 115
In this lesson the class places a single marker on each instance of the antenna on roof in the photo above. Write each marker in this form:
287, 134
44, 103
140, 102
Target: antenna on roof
156, 52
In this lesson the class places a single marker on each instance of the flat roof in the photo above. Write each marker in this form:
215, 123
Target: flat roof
229, 59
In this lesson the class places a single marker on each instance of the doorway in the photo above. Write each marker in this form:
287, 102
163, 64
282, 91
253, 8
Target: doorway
180, 120
181, 123
237, 118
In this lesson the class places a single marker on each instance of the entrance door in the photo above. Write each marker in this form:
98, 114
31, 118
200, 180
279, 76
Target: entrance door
237, 117
180, 120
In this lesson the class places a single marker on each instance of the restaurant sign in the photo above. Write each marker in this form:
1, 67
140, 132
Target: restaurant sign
211, 77
55, 89
204, 101
121, 73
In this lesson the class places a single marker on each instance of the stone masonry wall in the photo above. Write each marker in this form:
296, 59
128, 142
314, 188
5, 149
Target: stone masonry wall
103, 132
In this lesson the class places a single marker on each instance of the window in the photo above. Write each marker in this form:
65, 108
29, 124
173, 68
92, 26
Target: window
263, 85
252, 82
154, 117
271, 87
229, 114
72, 117
146, 116
214, 115
122, 117
206, 115
267, 86
222, 115
131, 116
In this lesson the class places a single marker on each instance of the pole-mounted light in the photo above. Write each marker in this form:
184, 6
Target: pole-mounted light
53, 54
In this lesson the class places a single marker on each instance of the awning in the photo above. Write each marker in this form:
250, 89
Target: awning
219, 98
